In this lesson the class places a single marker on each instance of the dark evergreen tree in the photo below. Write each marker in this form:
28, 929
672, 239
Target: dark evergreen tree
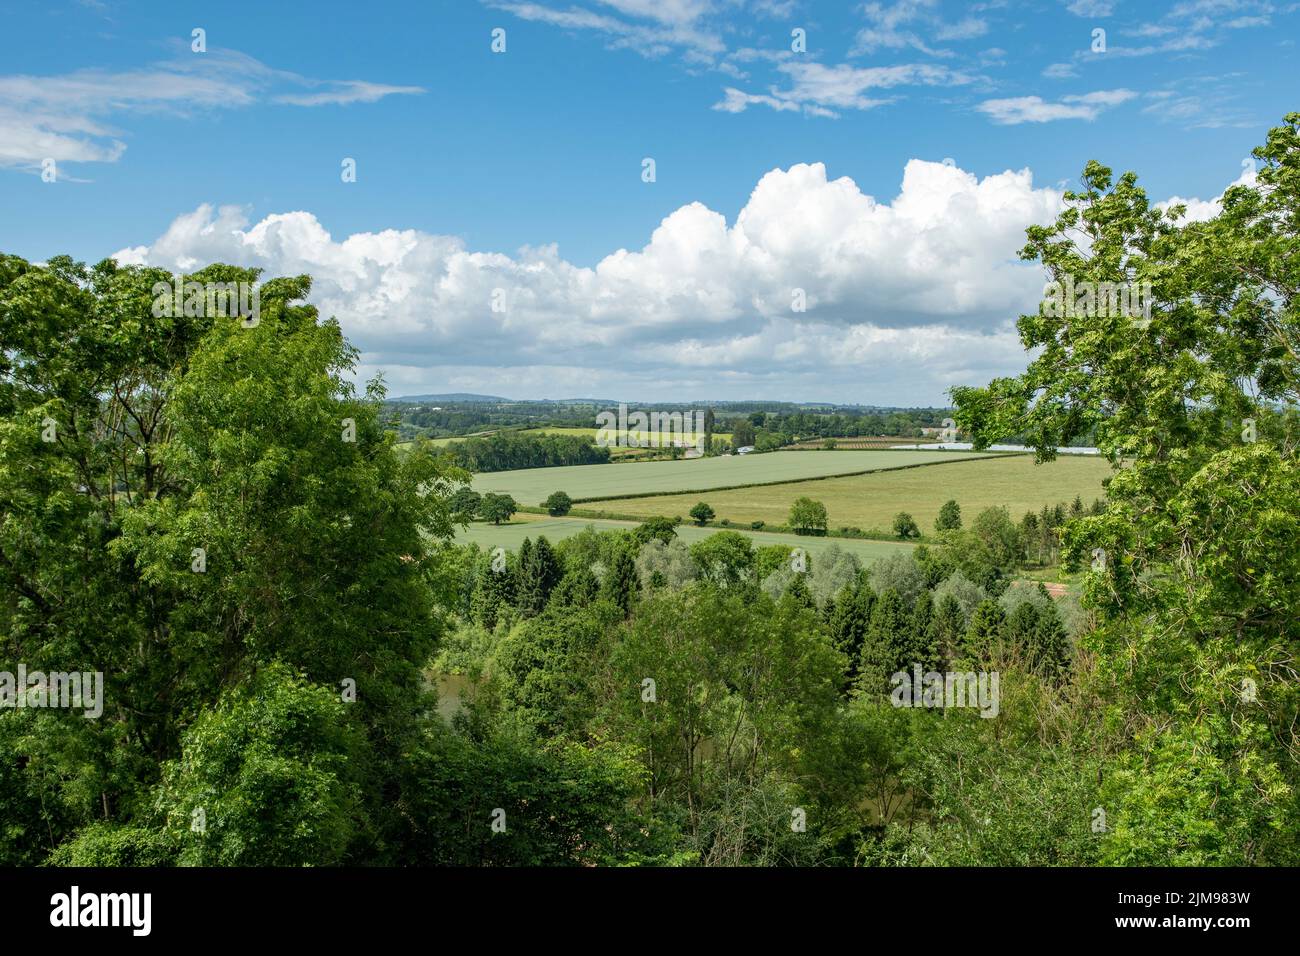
947, 628
921, 648
985, 628
539, 572
577, 588
621, 584
885, 644
493, 590
798, 593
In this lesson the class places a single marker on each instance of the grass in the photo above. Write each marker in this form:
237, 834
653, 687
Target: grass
530, 486
511, 535
871, 501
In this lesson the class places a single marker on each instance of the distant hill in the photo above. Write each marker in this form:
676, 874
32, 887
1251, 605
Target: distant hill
727, 405
470, 397
450, 397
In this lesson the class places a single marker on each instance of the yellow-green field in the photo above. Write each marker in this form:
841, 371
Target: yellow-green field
871, 501
530, 486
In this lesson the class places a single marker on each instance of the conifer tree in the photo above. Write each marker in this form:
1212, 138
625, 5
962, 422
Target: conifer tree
885, 643
622, 584
985, 628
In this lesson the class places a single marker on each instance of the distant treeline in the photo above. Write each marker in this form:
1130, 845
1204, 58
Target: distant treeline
778, 424
505, 451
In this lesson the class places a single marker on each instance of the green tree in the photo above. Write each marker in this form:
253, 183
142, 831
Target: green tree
622, 584
465, 503
494, 589
848, 624
725, 558
269, 776
808, 516
984, 631
558, 504
702, 514
884, 647
539, 572
949, 516
1186, 589
905, 526
665, 565
656, 527
497, 508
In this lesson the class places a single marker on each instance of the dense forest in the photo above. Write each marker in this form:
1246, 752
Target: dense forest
505, 450
780, 424
212, 517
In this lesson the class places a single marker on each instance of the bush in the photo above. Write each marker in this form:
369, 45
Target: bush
808, 516
757, 525
905, 526
558, 504
702, 514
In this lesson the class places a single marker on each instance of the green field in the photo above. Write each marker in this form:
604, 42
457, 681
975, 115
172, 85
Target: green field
510, 536
529, 486
871, 501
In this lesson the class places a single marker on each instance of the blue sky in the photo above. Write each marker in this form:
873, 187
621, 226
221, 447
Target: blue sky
888, 170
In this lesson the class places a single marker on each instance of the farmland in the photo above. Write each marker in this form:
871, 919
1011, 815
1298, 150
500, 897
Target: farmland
510, 536
871, 501
582, 482
617, 451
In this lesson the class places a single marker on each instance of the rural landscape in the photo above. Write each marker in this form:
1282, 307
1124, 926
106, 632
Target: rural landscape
301, 566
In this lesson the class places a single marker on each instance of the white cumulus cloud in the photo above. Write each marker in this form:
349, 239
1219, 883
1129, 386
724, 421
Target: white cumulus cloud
904, 298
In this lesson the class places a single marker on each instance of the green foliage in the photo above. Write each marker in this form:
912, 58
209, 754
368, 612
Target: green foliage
701, 514
270, 776
561, 804
538, 573
808, 516
621, 585
656, 528
508, 450
465, 503
885, 645
497, 508
949, 518
665, 565
899, 573
558, 504
905, 526
725, 558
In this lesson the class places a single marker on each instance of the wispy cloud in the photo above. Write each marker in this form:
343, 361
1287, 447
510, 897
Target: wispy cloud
74, 117
1091, 8
352, 91
1034, 109
661, 28
905, 24
820, 90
